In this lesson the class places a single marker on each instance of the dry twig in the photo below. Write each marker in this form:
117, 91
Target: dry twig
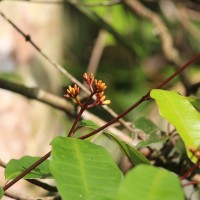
20, 196
58, 103
58, 67
185, 21
61, 2
97, 52
166, 40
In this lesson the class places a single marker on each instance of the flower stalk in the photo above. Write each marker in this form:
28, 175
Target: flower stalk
97, 88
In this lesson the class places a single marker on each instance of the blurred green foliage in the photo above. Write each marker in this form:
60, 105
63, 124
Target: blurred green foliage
129, 73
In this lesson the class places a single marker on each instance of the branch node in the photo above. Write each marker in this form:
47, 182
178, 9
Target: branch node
27, 38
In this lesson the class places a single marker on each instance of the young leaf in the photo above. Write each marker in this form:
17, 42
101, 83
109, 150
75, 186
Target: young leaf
147, 182
16, 167
153, 133
83, 170
88, 124
181, 113
1, 192
134, 156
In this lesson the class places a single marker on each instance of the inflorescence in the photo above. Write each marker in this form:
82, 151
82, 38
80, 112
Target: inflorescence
97, 88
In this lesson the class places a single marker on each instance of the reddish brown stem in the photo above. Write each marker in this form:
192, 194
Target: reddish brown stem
195, 166
108, 124
117, 118
143, 98
25, 172
190, 183
71, 132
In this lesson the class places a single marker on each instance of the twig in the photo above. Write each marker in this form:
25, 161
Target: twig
19, 196
59, 103
60, 68
187, 25
2, 163
83, 108
193, 182
194, 167
166, 40
61, 2
194, 15
26, 171
145, 97
43, 185
97, 52
102, 24
93, 64
95, 4
38, 94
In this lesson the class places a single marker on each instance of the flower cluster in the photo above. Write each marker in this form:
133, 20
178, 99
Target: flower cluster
96, 87
72, 91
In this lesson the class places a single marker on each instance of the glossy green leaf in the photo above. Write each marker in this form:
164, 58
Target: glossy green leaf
1, 192
133, 154
146, 182
16, 167
83, 170
181, 113
152, 133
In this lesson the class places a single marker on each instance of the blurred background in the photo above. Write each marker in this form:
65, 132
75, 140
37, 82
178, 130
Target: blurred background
130, 45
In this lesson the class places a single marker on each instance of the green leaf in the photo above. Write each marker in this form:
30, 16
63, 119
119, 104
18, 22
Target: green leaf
16, 167
153, 133
83, 170
181, 113
88, 124
146, 182
134, 156
1, 192
194, 101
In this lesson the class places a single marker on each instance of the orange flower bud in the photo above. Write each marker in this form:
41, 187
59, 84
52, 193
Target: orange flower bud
99, 85
92, 77
106, 102
72, 91
102, 98
85, 76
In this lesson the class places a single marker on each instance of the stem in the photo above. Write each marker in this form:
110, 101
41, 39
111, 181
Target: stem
190, 183
190, 170
179, 70
26, 171
42, 159
43, 185
71, 132
146, 97
117, 118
